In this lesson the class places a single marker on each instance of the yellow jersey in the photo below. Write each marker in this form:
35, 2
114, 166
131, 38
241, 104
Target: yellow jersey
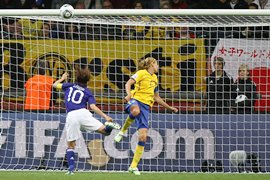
31, 28
145, 87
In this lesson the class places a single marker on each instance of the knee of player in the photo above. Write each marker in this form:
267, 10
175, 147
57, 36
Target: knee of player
135, 111
143, 133
143, 138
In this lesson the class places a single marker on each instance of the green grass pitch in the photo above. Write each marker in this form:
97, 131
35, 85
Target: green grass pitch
51, 175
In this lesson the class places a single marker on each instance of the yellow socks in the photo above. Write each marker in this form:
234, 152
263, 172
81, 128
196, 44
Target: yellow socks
138, 154
127, 124
139, 148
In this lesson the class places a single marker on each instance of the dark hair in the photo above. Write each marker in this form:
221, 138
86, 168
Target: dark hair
137, 2
41, 67
220, 59
82, 76
254, 5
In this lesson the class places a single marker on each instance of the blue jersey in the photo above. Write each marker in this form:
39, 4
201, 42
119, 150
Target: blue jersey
77, 97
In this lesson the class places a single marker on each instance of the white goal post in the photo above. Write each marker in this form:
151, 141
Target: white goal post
186, 44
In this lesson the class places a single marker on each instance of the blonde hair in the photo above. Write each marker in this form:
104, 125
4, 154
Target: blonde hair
243, 66
146, 63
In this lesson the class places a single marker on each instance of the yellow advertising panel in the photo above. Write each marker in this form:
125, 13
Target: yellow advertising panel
111, 62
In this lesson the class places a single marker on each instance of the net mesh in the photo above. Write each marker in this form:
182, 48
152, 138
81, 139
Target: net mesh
186, 47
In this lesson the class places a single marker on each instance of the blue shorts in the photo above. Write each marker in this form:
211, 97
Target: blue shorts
142, 118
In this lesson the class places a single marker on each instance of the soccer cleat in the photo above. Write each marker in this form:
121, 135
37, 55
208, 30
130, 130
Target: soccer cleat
134, 171
70, 173
113, 125
71, 167
119, 136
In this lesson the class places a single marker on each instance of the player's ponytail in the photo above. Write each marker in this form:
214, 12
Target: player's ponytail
145, 63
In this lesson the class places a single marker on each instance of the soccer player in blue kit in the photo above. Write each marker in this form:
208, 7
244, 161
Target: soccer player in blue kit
77, 97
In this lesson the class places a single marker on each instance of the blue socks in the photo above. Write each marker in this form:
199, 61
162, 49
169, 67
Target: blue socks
71, 159
108, 129
141, 143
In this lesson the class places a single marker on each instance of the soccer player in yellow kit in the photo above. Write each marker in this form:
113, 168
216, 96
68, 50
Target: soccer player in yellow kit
139, 102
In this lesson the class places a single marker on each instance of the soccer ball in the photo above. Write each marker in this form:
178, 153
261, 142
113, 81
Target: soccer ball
67, 11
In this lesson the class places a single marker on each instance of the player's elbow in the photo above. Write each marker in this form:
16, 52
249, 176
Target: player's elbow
127, 85
157, 98
93, 106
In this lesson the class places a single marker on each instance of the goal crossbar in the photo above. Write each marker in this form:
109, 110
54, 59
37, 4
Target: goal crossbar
147, 12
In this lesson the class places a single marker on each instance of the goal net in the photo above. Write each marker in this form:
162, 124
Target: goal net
222, 124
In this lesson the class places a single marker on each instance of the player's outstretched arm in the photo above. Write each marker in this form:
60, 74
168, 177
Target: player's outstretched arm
160, 101
99, 112
63, 78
